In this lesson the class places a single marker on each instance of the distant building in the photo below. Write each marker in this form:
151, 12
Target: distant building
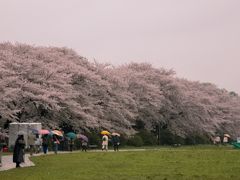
21, 128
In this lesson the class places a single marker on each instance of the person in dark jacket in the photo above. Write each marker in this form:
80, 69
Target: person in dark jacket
56, 142
84, 145
71, 144
18, 152
116, 142
45, 144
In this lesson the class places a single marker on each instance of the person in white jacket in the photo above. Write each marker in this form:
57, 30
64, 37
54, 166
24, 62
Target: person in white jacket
105, 143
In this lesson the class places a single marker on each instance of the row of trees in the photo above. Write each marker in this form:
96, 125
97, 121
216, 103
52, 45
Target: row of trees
56, 86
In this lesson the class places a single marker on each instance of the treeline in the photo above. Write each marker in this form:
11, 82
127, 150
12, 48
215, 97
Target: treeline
55, 86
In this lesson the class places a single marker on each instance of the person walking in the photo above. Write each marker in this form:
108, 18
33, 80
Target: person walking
18, 152
55, 144
31, 142
38, 143
71, 143
84, 145
116, 142
217, 140
45, 144
225, 140
105, 142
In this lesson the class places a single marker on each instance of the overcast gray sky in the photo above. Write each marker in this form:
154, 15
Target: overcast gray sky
199, 39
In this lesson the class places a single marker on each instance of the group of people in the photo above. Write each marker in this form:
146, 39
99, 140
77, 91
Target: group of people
37, 143
58, 143
115, 142
34, 142
224, 140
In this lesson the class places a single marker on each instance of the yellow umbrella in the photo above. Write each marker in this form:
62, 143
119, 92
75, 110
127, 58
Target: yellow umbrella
105, 133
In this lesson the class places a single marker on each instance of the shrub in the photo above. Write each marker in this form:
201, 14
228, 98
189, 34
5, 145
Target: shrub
166, 137
77, 143
148, 138
123, 140
169, 138
197, 139
136, 140
94, 138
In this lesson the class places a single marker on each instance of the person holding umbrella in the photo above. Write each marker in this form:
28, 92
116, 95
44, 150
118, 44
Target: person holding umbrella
226, 139
31, 142
84, 145
55, 134
55, 143
38, 143
45, 143
71, 137
71, 144
115, 141
105, 140
18, 152
84, 141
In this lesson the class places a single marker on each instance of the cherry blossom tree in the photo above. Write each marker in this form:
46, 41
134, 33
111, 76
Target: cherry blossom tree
55, 86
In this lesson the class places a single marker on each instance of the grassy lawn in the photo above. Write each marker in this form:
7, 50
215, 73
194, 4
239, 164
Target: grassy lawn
164, 163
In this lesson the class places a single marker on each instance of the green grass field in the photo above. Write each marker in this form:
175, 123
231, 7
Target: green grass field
164, 163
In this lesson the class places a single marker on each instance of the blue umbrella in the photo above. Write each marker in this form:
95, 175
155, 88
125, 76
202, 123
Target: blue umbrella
71, 135
34, 131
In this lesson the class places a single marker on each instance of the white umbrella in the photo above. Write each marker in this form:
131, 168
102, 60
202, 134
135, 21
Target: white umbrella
115, 134
227, 135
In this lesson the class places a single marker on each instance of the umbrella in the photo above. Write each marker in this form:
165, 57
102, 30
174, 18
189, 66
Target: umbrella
85, 138
34, 131
57, 132
105, 133
115, 134
227, 135
71, 135
43, 131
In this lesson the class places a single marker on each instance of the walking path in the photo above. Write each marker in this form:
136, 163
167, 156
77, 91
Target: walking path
7, 161
8, 164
